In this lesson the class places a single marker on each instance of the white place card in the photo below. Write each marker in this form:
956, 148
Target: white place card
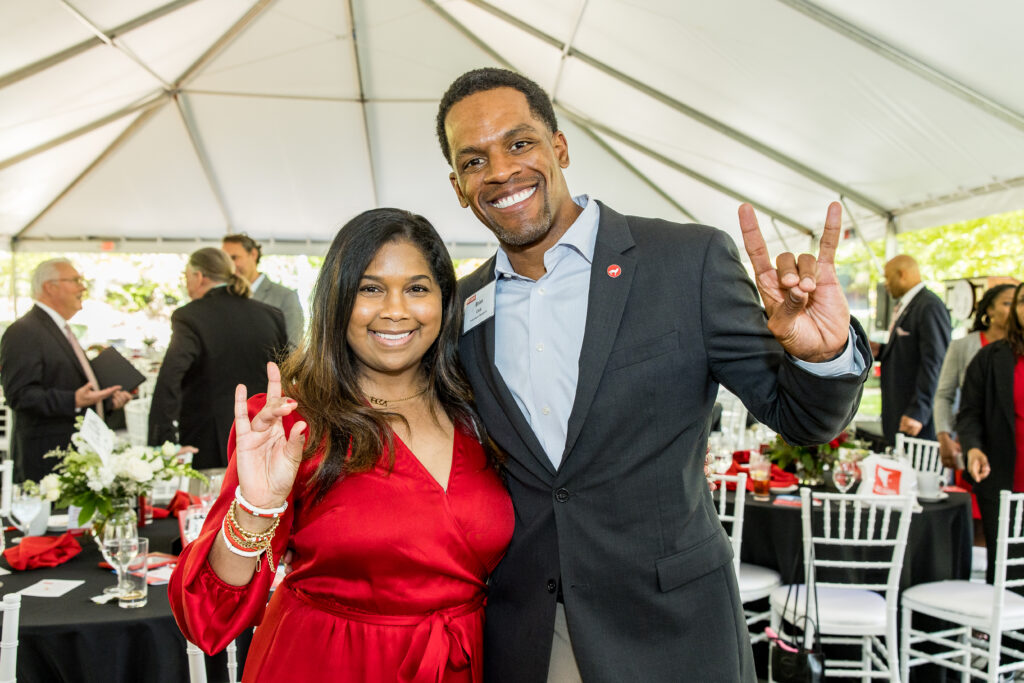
98, 435
50, 588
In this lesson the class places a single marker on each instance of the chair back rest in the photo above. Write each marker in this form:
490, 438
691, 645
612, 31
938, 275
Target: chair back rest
731, 516
855, 541
922, 453
197, 662
1010, 535
11, 607
6, 486
6, 426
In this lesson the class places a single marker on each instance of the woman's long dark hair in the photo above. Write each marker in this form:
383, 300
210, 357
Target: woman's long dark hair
981, 317
1014, 325
322, 374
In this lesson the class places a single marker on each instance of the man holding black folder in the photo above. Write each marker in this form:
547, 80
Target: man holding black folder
46, 376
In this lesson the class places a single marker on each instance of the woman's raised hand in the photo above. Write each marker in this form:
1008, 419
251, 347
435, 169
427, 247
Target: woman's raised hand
267, 461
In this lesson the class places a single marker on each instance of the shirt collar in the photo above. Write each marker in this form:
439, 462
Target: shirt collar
57, 317
581, 237
257, 282
909, 295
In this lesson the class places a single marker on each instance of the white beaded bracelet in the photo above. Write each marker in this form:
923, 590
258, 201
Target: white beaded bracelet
255, 511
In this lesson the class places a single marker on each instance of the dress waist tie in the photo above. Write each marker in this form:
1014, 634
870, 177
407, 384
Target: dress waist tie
438, 642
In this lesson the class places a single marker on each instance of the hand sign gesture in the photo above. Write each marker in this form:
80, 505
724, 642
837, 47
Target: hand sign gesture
266, 460
807, 310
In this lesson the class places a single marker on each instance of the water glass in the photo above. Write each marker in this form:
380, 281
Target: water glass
24, 508
845, 473
134, 578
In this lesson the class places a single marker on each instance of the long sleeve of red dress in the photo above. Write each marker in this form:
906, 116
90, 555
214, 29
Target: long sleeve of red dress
388, 580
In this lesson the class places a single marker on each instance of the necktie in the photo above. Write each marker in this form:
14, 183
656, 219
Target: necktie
86, 368
895, 316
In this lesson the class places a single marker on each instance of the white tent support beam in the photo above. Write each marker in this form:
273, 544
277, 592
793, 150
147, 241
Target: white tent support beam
100, 35
630, 167
77, 49
690, 112
362, 100
152, 100
567, 47
469, 35
686, 170
111, 148
778, 233
957, 196
310, 98
222, 42
860, 236
902, 59
192, 131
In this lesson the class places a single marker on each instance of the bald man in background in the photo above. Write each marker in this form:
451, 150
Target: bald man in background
912, 357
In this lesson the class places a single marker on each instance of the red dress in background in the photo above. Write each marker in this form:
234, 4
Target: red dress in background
388, 578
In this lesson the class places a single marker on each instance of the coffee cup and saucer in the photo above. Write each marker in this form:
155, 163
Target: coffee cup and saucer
929, 487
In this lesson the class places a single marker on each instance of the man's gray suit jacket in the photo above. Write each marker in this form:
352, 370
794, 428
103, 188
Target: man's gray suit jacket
625, 529
287, 300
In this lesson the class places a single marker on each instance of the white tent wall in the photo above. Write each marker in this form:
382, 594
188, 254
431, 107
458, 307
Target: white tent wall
159, 125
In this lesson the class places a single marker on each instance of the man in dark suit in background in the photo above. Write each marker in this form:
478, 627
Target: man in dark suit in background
912, 357
46, 377
219, 340
595, 343
245, 252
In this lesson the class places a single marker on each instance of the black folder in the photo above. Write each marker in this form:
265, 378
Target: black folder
112, 368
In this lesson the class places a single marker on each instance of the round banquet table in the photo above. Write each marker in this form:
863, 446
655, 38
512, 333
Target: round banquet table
938, 544
70, 639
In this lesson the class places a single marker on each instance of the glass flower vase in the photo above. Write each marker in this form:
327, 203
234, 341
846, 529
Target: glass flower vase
809, 476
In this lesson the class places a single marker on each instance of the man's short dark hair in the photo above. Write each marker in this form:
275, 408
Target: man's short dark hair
480, 80
247, 243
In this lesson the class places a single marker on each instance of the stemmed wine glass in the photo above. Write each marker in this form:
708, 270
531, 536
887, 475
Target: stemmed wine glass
845, 473
120, 551
115, 530
25, 507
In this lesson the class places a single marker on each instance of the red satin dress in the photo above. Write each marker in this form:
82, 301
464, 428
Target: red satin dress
388, 578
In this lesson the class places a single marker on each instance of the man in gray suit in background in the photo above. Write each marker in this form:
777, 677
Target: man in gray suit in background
595, 343
246, 252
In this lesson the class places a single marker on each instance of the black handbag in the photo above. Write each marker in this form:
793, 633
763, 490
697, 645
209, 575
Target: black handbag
791, 662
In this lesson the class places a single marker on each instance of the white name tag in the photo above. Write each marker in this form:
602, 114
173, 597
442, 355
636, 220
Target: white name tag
478, 307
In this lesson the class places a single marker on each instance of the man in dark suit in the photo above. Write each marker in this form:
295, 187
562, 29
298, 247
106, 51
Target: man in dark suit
595, 343
46, 377
218, 341
245, 252
912, 357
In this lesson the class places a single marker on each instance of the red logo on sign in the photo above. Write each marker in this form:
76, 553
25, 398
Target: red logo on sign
887, 481
471, 299
614, 270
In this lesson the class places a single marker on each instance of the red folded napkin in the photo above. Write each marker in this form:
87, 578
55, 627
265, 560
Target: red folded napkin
742, 457
35, 552
779, 478
180, 501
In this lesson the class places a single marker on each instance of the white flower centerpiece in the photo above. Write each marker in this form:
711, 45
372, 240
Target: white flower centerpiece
100, 474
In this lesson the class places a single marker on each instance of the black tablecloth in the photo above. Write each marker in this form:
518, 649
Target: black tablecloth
71, 639
938, 544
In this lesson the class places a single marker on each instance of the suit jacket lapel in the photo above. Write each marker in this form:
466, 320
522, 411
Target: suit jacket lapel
59, 338
605, 305
482, 338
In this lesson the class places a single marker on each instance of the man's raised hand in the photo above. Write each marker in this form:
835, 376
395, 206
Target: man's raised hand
806, 307
267, 460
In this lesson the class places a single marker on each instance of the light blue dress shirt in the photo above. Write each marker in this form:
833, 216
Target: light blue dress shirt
539, 325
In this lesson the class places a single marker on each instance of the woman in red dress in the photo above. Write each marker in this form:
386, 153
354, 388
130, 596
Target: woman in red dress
991, 423
373, 469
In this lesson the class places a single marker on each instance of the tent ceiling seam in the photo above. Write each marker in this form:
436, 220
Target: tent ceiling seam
690, 112
362, 102
628, 166
250, 15
959, 196
907, 62
152, 100
110, 149
191, 130
311, 98
686, 170
78, 48
567, 47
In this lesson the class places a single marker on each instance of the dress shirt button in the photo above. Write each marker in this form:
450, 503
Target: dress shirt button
540, 290
540, 347
561, 495
546, 410
552, 586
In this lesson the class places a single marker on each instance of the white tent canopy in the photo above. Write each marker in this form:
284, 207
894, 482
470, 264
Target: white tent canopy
143, 125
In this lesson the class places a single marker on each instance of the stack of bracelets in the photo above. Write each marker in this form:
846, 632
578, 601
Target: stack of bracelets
246, 543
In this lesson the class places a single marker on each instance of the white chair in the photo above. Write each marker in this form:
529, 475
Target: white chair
968, 607
855, 545
923, 454
6, 423
755, 582
197, 663
11, 607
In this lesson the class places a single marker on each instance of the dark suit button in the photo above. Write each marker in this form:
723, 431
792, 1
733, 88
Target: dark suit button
561, 495
552, 586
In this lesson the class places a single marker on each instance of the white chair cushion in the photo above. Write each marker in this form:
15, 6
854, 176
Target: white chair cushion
842, 610
757, 582
963, 598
